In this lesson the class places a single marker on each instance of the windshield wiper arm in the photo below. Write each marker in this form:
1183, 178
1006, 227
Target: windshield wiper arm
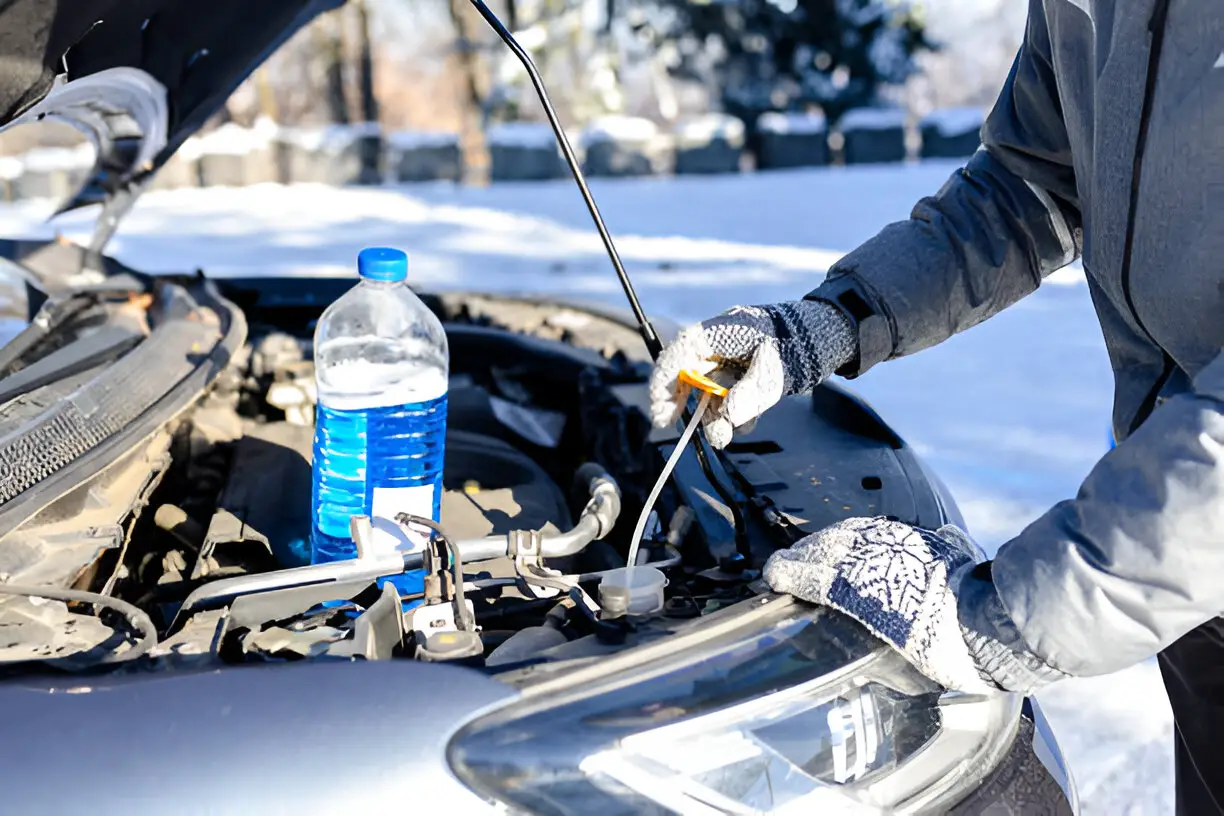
104, 345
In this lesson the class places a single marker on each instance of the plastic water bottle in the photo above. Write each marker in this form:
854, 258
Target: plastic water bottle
381, 367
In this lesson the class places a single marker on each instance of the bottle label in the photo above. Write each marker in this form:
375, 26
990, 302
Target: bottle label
387, 503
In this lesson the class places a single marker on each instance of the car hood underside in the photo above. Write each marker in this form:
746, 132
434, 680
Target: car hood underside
137, 76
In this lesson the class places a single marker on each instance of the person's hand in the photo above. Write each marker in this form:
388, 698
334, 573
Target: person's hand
903, 583
770, 351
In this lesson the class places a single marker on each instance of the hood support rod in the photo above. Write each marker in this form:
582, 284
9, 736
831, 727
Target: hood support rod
653, 345
647, 331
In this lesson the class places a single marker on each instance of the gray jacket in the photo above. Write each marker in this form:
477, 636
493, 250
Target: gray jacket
1107, 143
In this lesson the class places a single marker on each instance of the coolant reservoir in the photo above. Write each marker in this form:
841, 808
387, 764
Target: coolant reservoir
381, 367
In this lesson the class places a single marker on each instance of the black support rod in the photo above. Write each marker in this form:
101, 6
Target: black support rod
648, 333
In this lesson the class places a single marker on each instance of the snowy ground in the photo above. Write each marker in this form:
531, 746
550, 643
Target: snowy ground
1012, 413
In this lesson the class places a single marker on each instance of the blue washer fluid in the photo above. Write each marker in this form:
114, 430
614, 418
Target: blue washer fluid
381, 368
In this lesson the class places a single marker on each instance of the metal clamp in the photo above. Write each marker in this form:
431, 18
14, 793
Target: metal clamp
526, 547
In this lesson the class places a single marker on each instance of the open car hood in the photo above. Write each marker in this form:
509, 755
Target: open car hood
138, 77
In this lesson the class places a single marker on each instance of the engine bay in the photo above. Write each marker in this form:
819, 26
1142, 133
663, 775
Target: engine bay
205, 528
531, 423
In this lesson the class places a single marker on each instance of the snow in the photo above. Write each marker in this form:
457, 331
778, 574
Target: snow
798, 124
231, 139
52, 159
951, 122
1012, 414
872, 119
530, 135
416, 139
622, 129
978, 41
701, 130
330, 138
10, 168
532, 38
10, 327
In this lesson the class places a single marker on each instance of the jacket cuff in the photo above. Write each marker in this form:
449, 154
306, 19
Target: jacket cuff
843, 290
997, 648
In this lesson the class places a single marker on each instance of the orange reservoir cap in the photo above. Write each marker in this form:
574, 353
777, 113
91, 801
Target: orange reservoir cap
702, 383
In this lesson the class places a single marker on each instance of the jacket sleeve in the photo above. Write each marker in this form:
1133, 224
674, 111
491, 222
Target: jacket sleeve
1136, 559
999, 225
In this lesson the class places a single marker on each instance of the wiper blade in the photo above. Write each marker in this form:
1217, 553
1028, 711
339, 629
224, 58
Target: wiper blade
105, 344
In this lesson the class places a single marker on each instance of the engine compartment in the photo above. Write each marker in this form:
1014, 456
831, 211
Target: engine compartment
530, 408
547, 418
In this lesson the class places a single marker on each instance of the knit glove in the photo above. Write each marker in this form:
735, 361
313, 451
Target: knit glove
770, 351
905, 584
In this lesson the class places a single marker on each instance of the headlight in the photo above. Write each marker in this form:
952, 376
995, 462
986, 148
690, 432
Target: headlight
784, 709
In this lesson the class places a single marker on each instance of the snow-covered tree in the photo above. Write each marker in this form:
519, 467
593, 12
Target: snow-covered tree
981, 38
785, 54
571, 45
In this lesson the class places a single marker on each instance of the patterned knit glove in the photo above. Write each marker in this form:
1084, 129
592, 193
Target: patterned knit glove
903, 583
772, 351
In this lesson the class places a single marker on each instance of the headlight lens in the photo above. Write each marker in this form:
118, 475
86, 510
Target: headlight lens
781, 710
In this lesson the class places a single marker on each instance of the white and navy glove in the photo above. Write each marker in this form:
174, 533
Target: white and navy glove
918, 591
773, 351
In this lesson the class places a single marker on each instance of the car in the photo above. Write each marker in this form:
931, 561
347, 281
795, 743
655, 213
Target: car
166, 646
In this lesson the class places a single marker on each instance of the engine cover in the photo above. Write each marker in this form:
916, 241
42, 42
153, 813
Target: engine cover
492, 488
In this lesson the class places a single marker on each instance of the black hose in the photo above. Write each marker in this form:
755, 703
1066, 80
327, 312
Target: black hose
518, 607
135, 616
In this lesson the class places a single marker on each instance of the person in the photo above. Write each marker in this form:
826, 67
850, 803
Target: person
1106, 144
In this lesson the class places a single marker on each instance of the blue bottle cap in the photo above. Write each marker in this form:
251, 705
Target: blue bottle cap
383, 264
